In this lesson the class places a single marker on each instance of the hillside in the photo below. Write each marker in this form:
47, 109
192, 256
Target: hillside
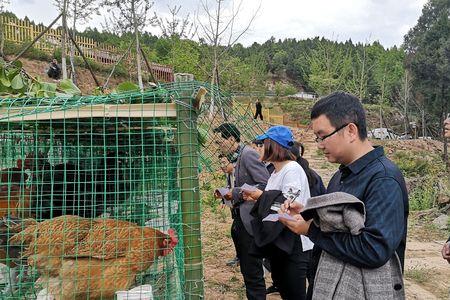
86, 83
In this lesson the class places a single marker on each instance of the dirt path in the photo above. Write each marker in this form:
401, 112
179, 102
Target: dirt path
427, 275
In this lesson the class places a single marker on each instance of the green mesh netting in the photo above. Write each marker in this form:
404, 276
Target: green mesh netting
93, 188
98, 158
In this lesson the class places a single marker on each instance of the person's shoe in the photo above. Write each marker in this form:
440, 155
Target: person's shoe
234, 262
271, 289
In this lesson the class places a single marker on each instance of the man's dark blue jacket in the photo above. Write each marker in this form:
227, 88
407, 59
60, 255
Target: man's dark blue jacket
377, 182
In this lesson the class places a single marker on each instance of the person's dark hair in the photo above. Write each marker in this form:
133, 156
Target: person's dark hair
274, 152
298, 149
227, 130
342, 108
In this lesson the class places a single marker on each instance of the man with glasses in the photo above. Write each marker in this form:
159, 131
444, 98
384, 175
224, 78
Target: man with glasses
339, 123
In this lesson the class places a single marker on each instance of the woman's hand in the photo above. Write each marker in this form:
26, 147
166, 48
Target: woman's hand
251, 195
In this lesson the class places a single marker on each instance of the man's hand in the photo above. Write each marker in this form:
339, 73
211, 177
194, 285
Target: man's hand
446, 252
228, 196
251, 195
447, 128
291, 207
299, 226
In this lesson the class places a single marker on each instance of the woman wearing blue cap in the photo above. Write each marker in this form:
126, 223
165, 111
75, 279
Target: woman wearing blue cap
289, 255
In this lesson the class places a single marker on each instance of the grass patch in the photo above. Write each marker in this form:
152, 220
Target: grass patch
418, 274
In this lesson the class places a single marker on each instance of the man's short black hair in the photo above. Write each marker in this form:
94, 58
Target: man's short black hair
342, 108
227, 130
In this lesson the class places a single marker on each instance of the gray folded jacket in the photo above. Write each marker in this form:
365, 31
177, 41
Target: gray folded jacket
336, 279
336, 212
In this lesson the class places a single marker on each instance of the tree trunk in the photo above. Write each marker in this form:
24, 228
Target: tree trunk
214, 73
63, 40
2, 39
406, 96
138, 53
72, 46
444, 109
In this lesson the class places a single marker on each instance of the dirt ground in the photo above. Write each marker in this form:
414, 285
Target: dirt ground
426, 273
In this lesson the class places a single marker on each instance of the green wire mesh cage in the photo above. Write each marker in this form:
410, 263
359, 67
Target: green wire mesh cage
92, 193
99, 196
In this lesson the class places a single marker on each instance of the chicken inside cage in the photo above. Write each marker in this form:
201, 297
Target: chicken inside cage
80, 258
81, 219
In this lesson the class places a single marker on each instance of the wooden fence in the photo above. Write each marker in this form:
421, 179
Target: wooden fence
270, 117
23, 31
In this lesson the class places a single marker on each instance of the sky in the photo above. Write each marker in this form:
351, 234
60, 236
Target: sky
386, 21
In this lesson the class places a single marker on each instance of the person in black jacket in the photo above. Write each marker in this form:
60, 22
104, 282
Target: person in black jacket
54, 70
258, 112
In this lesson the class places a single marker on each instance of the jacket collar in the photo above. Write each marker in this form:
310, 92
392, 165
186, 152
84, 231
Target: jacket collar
362, 162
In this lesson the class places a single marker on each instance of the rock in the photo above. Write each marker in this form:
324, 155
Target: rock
441, 222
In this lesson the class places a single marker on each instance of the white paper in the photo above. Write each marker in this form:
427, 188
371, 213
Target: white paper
276, 217
223, 191
276, 207
248, 188
227, 203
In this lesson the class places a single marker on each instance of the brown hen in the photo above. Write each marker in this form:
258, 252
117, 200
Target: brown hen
95, 260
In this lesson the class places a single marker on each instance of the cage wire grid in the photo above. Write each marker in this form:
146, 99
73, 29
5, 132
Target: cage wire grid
95, 190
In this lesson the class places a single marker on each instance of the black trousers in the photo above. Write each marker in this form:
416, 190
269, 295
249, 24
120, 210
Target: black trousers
290, 271
258, 113
251, 266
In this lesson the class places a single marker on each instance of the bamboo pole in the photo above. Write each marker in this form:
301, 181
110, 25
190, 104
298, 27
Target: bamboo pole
36, 39
85, 60
190, 197
148, 65
115, 65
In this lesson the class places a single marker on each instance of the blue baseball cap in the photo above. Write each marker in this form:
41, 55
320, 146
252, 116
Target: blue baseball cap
280, 134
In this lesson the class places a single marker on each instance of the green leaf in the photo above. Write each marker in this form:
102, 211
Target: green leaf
4, 80
17, 82
68, 87
127, 87
17, 64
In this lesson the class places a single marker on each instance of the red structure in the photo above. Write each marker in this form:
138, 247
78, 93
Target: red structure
162, 73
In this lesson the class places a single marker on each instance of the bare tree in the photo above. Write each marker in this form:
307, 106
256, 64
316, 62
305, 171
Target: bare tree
80, 11
217, 23
131, 15
174, 25
3, 5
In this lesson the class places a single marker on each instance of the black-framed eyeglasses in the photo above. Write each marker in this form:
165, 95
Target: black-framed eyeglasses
323, 138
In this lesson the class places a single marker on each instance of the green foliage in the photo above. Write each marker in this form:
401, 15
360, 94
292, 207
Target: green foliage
127, 87
428, 47
425, 195
367, 70
418, 274
14, 83
68, 87
412, 165
426, 174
